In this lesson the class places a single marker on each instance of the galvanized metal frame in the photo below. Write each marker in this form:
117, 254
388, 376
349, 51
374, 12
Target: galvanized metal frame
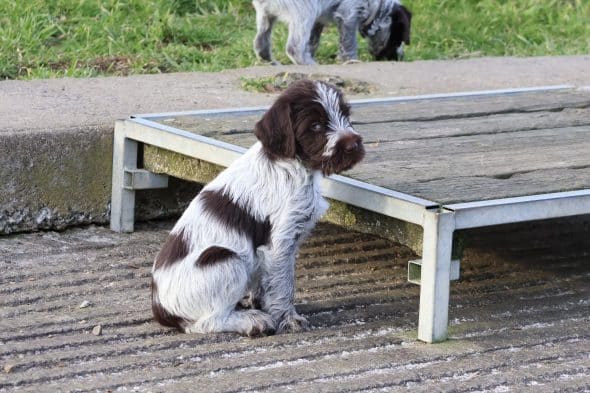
438, 221
519, 209
364, 102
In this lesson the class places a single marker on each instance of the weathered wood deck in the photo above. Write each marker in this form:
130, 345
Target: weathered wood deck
457, 150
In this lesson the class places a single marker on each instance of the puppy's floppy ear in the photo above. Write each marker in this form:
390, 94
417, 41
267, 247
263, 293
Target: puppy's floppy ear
275, 131
403, 17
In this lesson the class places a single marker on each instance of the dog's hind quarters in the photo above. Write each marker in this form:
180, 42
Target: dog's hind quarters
162, 316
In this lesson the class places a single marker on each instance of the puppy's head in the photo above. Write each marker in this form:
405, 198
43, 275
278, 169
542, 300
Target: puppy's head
310, 121
389, 32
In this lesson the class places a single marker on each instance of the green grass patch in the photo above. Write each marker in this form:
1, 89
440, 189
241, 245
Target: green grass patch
54, 38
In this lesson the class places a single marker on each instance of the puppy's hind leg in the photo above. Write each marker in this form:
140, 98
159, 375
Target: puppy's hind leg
251, 323
225, 279
263, 39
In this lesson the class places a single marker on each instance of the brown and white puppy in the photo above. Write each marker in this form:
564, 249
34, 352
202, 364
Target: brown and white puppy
239, 237
384, 23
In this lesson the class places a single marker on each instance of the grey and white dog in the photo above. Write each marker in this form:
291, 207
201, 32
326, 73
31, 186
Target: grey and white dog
384, 23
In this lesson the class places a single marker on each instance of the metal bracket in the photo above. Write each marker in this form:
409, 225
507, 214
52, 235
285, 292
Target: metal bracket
141, 179
415, 270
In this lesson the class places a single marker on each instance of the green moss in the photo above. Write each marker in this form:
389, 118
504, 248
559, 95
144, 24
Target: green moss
362, 220
78, 179
165, 161
340, 213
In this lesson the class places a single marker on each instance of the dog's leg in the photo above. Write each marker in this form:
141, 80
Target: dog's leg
347, 29
278, 282
277, 261
314, 40
251, 323
263, 39
253, 298
221, 284
298, 42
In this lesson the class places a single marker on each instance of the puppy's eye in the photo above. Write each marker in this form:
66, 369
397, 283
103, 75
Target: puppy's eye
316, 127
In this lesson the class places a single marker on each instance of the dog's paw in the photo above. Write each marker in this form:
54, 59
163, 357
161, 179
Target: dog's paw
262, 324
293, 323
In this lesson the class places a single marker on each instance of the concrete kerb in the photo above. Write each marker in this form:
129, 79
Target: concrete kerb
56, 135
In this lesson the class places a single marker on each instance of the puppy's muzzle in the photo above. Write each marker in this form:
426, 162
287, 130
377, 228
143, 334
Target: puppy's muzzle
353, 143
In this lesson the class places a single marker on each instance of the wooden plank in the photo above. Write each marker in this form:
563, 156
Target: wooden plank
482, 155
480, 125
472, 106
217, 127
480, 188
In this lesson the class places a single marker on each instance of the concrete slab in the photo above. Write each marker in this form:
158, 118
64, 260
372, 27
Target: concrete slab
519, 319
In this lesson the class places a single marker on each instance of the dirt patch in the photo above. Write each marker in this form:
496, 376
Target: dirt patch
117, 65
280, 81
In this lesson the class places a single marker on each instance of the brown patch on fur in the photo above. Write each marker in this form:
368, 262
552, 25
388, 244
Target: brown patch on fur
161, 315
175, 248
233, 216
275, 131
214, 254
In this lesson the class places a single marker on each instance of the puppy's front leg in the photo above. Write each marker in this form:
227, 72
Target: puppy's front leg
278, 285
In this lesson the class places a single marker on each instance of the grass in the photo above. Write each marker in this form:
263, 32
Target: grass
54, 38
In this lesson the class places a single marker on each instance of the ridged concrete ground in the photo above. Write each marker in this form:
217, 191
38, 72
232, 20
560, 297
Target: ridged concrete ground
520, 319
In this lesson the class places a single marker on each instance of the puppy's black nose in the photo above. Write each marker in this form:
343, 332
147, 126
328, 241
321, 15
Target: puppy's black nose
352, 143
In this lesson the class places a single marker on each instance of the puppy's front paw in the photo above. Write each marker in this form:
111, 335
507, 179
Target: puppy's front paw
352, 61
293, 323
262, 324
